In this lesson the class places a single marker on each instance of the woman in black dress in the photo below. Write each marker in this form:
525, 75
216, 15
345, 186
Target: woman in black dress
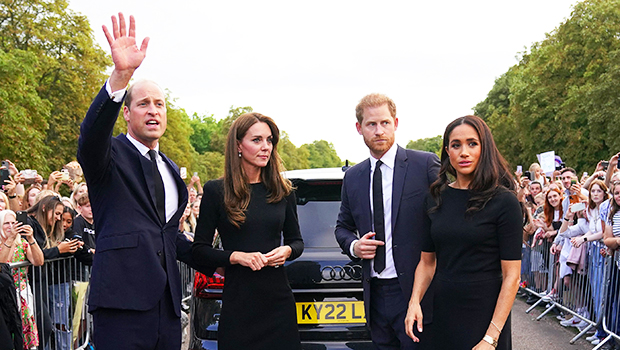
254, 209
472, 248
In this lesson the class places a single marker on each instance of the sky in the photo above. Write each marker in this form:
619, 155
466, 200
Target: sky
307, 64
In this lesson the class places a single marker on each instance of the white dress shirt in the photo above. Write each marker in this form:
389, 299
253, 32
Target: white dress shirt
170, 186
387, 178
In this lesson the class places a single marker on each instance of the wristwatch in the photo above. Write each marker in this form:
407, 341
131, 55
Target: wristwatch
585, 238
487, 338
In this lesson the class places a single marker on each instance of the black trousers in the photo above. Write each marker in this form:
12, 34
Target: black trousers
155, 329
388, 309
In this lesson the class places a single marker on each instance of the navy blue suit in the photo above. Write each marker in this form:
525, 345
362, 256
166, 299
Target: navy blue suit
134, 267
414, 171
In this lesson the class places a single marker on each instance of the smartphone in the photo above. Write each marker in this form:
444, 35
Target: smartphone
195, 173
22, 216
4, 173
578, 207
573, 181
528, 175
65, 175
183, 172
519, 169
605, 164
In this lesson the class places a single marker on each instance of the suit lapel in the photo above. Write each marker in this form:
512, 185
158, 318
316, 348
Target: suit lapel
400, 171
147, 172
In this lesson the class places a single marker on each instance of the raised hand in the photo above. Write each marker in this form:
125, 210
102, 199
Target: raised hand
125, 54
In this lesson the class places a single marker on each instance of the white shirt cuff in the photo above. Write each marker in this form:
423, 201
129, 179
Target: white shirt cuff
116, 96
351, 249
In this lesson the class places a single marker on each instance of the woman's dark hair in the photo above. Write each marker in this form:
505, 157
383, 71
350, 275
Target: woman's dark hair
236, 184
491, 174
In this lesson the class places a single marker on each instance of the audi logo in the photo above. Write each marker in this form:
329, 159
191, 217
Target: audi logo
341, 273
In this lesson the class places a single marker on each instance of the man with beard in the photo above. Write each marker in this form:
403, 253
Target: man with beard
382, 200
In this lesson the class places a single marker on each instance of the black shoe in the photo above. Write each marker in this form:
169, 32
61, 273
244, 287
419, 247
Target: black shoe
531, 300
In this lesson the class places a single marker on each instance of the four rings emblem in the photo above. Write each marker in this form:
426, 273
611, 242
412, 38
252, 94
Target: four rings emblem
341, 273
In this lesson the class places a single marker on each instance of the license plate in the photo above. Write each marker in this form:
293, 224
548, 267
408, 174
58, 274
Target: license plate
331, 312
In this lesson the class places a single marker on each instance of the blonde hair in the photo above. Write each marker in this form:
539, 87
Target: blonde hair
5, 199
374, 100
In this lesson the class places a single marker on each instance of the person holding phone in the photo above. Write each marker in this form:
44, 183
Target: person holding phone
18, 244
472, 249
573, 191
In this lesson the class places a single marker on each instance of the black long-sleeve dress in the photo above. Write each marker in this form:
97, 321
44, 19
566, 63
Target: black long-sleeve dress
258, 308
468, 276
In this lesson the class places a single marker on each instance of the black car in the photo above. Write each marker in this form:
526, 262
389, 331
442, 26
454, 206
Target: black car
326, 283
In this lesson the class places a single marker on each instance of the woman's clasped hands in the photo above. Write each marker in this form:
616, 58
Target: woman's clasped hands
257, 260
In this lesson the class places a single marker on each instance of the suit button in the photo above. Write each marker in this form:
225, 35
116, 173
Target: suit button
395, 246
159, 253
368, 280
402, 273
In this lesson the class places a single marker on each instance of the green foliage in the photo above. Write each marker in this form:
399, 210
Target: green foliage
563, 94
430, 144
322, 154
23, 114
218, 139
292, 157
65, 67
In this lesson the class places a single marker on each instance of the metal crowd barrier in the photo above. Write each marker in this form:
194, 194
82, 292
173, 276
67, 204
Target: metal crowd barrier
610, 322
590, 294
56, 294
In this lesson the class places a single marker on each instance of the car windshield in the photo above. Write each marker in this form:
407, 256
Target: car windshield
318, 203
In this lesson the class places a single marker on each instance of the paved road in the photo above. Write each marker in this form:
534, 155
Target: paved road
547, 334
529, 334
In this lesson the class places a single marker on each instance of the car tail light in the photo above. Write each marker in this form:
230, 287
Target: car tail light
208, 287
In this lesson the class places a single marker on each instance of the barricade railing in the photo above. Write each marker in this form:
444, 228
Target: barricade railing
187, 280
55, 294
590, 294
576, 287
610, 323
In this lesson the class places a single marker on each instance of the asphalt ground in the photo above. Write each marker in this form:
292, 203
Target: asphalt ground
547, 334
527, 333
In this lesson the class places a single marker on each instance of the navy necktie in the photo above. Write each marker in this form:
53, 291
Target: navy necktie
378, 218
160, 194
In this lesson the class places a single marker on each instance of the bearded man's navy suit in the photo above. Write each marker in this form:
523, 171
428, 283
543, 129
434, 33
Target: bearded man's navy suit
414, 171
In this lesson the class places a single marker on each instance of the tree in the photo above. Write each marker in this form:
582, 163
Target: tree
292, 157
562, 95
23, 114
204, 128
218, 140
430, 144
322, 154
69, 67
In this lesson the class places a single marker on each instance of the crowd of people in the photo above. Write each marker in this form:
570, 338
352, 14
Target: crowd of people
39, 225
571, 223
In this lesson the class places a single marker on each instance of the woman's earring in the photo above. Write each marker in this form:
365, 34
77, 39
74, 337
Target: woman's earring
239, 154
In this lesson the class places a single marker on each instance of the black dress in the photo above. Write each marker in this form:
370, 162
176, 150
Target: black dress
468, 276
258, 308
